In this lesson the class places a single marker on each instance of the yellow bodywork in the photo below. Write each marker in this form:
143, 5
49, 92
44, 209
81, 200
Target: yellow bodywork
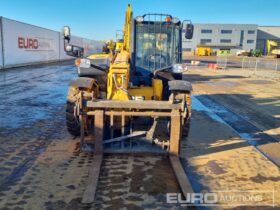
119, 46
203, 51
118, 87
270, 45
118, 77
149, 93
93, 56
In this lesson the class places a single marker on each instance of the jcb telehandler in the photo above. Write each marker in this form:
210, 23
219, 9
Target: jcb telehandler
114, 91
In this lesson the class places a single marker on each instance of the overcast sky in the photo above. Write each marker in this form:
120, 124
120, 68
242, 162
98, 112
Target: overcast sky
99, 19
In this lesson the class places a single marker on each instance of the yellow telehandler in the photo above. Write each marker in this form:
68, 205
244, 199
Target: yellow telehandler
126, 99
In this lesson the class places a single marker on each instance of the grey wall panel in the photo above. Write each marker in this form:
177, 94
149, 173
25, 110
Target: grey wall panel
25, 44
1, 49
92, 46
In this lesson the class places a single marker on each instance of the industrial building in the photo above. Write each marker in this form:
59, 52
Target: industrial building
267, 33
222, 36
233, 37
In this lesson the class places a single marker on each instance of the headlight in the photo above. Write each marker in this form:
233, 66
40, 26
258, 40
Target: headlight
82, 62
179, 68
175, 20
139, 19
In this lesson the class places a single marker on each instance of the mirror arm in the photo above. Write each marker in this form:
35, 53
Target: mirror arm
66, 41
75, 51
99, 68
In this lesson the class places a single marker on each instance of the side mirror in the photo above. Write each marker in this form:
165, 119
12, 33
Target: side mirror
71, 50
189, 31
67, 33
74, 51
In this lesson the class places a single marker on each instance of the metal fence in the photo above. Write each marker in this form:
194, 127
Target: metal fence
222, 61
260, 63
268, 68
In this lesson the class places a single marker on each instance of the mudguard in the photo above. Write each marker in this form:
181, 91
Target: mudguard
83, 82
180, 86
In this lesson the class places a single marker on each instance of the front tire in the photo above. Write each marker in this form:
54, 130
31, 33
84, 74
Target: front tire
72, 122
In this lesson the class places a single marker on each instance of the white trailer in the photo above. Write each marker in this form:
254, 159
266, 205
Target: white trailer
25, 44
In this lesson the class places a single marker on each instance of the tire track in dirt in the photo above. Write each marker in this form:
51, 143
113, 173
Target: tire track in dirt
21, 155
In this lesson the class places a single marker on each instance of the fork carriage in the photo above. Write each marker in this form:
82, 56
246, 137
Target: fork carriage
100, 116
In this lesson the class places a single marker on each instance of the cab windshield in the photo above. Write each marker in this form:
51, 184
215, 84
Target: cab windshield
157, 46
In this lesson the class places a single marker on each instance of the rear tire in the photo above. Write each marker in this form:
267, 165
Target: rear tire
72, 122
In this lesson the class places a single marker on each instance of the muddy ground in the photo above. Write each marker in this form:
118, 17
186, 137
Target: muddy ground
41, 168
235, 117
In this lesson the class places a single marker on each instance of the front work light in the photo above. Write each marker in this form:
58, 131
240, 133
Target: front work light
179, 68
82, 62
139, 19
175, 20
